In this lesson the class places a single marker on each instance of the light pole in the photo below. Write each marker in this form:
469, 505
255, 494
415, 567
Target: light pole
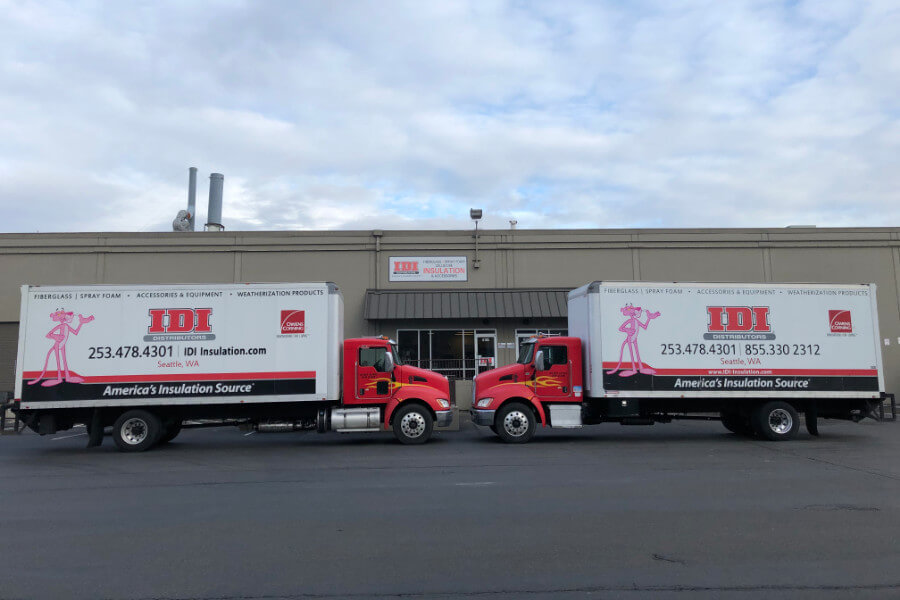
475, 215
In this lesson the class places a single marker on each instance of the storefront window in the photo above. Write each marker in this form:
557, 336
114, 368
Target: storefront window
457, 353
408, 343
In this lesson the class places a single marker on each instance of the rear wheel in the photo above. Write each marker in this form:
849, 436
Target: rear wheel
775, 421
136, 431
515, 423
413, 424
736, 423
170, 431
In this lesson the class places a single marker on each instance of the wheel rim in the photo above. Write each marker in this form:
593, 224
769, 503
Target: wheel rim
134, 431
515, 423
412, 424
780, 421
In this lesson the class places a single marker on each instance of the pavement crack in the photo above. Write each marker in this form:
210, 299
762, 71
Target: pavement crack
768, 447
876, 587
850, 507
668, 559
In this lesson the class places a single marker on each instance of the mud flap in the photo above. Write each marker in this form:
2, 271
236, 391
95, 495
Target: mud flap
812, 416
95, 430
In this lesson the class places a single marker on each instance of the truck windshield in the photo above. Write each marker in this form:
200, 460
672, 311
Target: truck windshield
526, 353
395, 355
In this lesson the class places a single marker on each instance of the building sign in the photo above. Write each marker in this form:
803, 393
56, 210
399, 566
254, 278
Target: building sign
428, 268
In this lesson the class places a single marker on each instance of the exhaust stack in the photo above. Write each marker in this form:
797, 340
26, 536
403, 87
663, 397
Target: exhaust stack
184, 220
214, 212
192, 196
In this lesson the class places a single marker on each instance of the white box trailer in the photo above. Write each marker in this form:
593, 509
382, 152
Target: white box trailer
639, 353
262, 355
673, 340
188, 344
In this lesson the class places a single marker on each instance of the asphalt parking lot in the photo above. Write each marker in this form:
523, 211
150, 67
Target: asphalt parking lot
685, 510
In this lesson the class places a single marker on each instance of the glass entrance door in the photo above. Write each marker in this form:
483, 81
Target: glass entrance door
485, 351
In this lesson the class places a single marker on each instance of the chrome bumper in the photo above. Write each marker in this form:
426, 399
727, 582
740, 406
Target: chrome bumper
482, 417
444, 418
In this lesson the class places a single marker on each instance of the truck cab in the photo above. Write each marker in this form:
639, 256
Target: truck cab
377, 385
543, 386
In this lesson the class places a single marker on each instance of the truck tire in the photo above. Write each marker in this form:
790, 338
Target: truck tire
775, 421
515, 423
170, 431
95, 429
136, 431
413, 424
736, 423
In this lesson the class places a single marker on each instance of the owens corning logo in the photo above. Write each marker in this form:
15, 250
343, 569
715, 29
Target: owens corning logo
179, 324
839, 321
738, 323
406, 267
293, 321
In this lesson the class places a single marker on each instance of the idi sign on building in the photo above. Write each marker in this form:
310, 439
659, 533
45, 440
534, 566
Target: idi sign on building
428, 268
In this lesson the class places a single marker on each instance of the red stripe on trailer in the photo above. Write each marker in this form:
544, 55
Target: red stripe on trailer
180, 376
755, 371
801, 372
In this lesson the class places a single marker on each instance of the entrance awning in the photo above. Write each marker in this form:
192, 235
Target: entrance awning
468, 304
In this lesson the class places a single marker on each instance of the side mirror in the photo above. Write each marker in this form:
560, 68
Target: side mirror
539, 361
388, 362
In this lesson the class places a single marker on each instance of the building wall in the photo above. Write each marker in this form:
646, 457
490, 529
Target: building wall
359, 260
8, 341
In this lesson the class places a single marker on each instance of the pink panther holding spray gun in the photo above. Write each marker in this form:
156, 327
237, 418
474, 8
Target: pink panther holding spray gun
630, 328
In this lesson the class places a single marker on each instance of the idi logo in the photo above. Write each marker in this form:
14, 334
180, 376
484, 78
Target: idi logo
406, 267
839, 320
180, 320
293, 321
738, 318
738, 322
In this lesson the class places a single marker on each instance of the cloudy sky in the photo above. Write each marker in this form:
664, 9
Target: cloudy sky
396, 115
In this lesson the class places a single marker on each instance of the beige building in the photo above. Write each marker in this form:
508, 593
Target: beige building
451, 306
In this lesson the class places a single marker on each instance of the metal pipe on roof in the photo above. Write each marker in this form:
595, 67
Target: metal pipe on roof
214, 212
192, 195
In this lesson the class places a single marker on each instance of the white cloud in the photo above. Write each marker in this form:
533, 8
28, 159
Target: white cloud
405, 114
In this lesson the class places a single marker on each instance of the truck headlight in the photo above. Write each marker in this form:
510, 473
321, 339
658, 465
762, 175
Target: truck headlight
444, 402
484, 402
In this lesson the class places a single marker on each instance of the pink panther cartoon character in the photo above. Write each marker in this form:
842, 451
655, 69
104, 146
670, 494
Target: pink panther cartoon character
631, 328
60, 335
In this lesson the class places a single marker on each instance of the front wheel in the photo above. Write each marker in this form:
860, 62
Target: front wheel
413, 424
515, 423
136, 431
775, 421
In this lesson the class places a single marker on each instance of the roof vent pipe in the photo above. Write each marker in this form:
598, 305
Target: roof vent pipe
192, 196
214, 212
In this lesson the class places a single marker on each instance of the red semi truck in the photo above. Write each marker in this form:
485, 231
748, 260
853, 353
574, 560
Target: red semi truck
145, 360
641, 353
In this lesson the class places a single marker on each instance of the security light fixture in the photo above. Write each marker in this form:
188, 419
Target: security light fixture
475, 215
